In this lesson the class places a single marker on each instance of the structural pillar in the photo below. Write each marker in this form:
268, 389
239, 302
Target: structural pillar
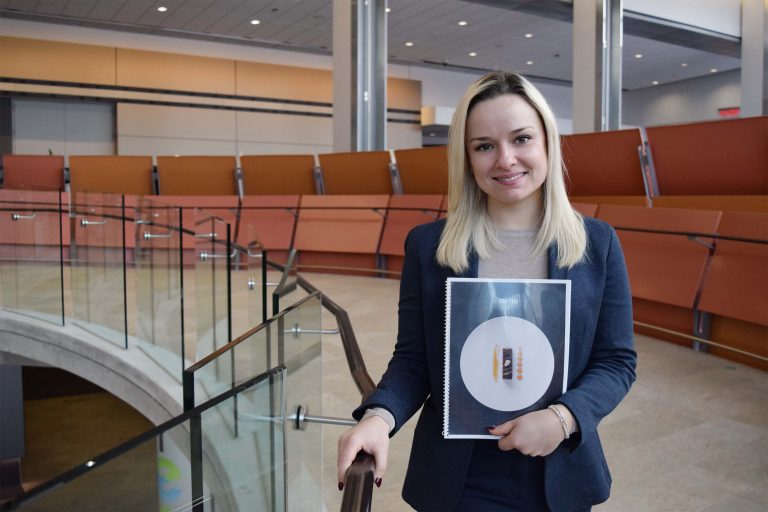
359, 75
754, 58
597, 47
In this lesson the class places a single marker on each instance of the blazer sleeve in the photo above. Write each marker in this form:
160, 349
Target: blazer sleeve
405, 384
610, 370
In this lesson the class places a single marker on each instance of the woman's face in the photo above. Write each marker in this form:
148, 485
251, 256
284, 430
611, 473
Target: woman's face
507, 149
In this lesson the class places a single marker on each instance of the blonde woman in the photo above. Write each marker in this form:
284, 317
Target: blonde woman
508, 217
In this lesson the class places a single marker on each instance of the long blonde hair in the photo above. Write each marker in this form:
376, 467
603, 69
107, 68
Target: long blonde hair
469, 226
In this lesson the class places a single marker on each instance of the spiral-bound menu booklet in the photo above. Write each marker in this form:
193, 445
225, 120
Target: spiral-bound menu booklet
506, 350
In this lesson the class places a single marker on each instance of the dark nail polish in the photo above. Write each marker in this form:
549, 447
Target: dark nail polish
377, 482
491, 427
341, 486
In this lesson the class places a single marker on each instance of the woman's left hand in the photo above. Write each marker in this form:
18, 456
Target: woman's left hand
537, 433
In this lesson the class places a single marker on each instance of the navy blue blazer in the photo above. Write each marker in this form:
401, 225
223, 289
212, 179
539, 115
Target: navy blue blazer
600, 372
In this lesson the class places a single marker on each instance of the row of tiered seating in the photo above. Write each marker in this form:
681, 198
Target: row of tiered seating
413, 171
718, 165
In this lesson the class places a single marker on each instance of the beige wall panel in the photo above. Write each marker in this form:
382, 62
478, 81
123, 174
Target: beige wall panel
277, 148
64, 62
403, 94
284, 129
284, 82
175, 122
167, 146
403, 136
138, 68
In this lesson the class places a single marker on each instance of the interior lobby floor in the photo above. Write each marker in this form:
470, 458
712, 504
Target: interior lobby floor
692, 435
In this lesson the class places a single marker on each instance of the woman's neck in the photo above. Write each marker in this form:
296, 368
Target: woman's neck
516, 216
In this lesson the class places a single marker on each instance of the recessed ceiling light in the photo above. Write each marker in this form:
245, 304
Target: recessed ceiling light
473, 54
162, 9
529, 62
462, 23
638, 55
684, 65
655, 82
255, 22
408, 43
713, 70
388, 9
528, 36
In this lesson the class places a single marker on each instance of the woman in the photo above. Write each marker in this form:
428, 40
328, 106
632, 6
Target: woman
508, 217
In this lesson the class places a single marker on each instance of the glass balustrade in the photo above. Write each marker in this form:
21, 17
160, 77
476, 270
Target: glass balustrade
194, 462
213, 257
158, 276
31, 254
291, 339
97, 255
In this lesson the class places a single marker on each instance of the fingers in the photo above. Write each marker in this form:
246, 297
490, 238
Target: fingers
371, 435
503, 429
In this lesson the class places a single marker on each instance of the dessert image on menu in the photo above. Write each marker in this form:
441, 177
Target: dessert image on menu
505, 353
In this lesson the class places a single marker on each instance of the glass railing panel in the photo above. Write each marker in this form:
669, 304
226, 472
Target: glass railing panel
31, 254
244, 467
98, 265
301, 332
158, 275
212, 283
248, 287
194, 462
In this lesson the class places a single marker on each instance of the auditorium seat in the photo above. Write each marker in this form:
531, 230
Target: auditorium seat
270, 221
744, 203
34, 172
665, 270
711, 158
278, 174
128, 175
362, 172
195, 209
735, 285
339, 233
423, 170
196, 175
605, 167
405, 212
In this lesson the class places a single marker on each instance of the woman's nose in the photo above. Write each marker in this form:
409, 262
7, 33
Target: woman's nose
507, 157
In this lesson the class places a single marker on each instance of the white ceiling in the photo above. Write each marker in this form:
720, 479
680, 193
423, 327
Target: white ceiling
496, 34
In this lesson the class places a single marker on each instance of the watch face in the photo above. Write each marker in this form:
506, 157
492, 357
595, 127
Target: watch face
507, 363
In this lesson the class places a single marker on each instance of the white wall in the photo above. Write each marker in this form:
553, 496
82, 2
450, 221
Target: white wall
63, 127
722, 16
692, 100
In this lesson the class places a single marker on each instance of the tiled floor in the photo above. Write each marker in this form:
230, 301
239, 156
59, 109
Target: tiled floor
692, 435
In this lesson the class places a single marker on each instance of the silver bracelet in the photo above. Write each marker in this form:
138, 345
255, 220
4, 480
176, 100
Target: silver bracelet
562, 420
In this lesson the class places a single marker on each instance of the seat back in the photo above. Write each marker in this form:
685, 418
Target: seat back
37, 172
196, 175
278, 174
358, 173
423, 170
128, 175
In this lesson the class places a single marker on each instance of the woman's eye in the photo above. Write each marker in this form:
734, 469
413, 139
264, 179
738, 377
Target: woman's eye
522, 139
483, 147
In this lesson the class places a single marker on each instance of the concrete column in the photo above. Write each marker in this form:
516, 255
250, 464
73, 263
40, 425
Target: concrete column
754, 58
359, 75
597, 44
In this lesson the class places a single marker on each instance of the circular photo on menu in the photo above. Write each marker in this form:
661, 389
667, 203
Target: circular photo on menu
507, 363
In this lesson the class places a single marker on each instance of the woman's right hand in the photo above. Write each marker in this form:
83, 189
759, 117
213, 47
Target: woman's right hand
370, 435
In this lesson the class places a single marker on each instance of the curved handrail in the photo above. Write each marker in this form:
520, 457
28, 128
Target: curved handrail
358, 492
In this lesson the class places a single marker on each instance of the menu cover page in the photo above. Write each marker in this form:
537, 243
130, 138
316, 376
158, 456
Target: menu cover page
506, 351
